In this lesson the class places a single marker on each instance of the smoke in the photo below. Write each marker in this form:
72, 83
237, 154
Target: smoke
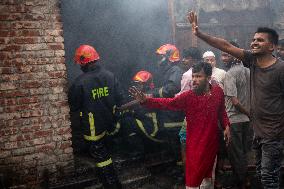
125, 33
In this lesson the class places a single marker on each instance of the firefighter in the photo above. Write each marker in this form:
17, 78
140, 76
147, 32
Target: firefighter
143, 80
170, 75
140, 126
170, 71
95, 93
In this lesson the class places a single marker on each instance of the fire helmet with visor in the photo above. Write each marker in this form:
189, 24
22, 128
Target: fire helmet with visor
144, 77
169, 50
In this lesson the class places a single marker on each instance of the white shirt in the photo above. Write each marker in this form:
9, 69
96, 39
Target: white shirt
219, 76
186, 81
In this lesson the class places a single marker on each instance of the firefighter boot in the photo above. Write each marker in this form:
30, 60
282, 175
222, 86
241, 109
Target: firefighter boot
108, 177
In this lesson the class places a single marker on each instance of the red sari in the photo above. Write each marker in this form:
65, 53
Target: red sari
202, 141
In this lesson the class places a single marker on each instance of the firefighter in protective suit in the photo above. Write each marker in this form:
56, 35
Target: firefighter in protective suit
140, 125
95, 93
170, 71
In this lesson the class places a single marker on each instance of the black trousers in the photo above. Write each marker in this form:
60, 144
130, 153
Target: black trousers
268, 156
105, 169
240, 145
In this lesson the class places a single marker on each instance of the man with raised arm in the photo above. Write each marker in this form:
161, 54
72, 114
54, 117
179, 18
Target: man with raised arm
204, 106
266, 98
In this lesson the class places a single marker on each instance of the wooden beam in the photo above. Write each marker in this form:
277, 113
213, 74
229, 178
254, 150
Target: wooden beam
171, 8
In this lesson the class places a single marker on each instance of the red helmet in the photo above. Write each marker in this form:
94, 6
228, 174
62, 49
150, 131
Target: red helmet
85, 54
144, 77
174, 52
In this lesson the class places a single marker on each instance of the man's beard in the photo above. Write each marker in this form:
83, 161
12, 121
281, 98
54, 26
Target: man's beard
229, 64
201, 88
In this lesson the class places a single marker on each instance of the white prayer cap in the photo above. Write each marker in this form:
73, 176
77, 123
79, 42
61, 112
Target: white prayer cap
208, 53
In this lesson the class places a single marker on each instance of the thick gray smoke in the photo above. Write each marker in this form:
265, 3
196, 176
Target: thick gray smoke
125, 33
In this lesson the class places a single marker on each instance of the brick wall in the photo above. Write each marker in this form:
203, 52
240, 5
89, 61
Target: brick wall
34, 114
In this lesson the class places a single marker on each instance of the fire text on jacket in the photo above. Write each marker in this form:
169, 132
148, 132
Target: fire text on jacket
100, 92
